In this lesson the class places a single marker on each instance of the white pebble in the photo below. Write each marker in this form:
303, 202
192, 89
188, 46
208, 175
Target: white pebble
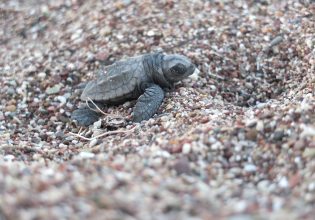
277, 203
151, 33
164, 118
93, 143
216, 146
97, 124
48, 172
260, 126
120, 36
238, 158
297, 160
311, 186
240, 206
308, 131
283, 183
213, 88
186, 148
162, 153
238, 148
41, 75
8, 157
250, 168
195, 75
263, 185
86, 155
62, 100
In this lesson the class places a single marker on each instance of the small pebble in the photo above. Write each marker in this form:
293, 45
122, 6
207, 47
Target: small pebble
86, 155
62, 99
9, 157
186, 148
284, 183
151, 33
311, 187
250, 168
53, 90
182, 166
93, 142
10, 108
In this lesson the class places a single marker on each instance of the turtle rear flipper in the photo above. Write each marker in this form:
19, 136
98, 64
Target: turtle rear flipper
85, 116
148, 103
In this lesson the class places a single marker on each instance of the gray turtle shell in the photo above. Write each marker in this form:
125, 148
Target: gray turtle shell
118, 82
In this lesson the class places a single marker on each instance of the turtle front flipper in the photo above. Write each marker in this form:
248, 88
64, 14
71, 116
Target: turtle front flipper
148, 103
85, 116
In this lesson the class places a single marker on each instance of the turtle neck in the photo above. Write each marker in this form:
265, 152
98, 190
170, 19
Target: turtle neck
153, 65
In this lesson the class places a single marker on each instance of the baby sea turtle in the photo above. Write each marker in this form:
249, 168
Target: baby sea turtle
143, 77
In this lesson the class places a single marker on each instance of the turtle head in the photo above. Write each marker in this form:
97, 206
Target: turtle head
177, 67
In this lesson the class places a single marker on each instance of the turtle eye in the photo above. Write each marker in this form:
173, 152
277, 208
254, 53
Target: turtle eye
178, 69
